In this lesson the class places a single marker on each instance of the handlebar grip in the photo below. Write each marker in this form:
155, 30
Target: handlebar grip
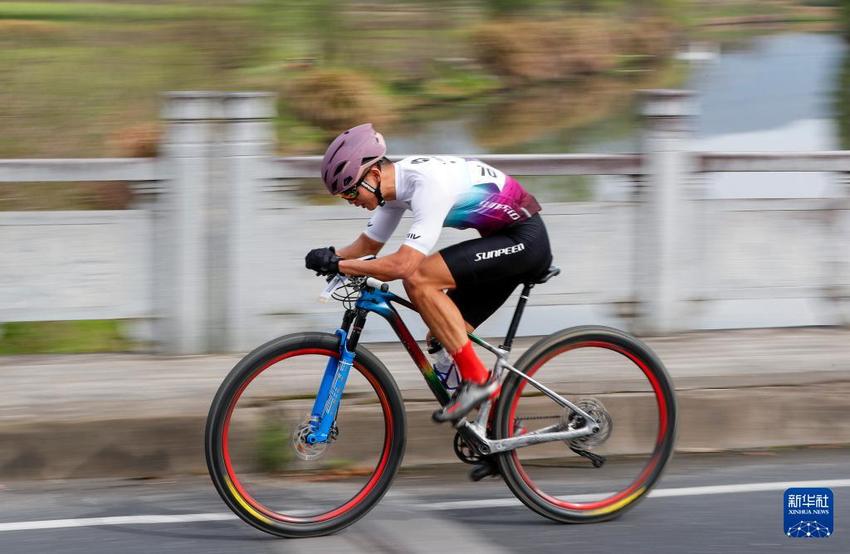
376, 284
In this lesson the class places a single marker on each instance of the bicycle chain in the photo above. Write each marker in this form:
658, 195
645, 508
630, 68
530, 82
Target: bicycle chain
529, 418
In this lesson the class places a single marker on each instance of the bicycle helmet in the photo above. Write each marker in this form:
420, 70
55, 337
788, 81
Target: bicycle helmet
350, 155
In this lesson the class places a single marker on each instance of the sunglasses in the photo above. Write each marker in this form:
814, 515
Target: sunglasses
354, 192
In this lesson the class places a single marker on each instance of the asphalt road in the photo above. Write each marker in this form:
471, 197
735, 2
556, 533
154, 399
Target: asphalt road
705, 503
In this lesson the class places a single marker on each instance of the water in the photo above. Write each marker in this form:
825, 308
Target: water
771, 93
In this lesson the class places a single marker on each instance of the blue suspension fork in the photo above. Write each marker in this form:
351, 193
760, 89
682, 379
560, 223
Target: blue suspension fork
327, 400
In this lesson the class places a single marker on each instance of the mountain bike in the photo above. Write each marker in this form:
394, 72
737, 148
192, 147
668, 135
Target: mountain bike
307, 432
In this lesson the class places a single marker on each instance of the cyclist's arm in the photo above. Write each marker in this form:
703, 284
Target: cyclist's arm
398, 265
428, 217
362, 246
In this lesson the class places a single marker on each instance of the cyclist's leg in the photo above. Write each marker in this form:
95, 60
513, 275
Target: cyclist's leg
425, 289
480, 275
477, 304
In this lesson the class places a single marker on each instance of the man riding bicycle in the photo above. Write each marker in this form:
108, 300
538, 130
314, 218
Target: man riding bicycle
459, 287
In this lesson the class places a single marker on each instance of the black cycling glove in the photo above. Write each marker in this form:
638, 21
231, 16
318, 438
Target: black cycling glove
323, 261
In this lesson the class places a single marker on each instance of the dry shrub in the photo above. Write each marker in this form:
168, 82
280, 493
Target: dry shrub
649, 36
136, 141
546, 50
527, 50
20, 29
336, 98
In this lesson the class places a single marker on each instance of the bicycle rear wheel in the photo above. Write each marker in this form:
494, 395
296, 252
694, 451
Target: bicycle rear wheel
257, 458
619, 382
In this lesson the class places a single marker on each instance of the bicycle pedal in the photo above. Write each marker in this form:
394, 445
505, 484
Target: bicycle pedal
484, 469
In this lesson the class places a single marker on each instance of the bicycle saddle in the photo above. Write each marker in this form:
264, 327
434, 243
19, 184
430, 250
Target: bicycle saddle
551, 272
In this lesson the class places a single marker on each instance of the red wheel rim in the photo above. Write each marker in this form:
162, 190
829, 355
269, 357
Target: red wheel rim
635, 488
239, 489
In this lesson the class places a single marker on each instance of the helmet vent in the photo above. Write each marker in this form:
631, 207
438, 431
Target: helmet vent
339, 167
338, 148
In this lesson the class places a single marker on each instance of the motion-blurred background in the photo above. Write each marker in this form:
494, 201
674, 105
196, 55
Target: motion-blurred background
84, 80
158, 191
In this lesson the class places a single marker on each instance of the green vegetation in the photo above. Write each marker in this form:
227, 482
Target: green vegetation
62, 337
83, 79
110, 11
79, 78
274, 452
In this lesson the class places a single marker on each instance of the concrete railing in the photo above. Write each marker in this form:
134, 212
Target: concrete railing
209, 258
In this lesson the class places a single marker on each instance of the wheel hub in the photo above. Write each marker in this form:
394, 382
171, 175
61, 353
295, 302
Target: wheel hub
306, 451
595, 409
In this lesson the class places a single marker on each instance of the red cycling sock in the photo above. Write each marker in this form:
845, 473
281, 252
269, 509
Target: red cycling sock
469, 364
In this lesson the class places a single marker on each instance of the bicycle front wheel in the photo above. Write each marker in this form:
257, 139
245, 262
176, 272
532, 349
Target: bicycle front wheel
256, 450
619, 382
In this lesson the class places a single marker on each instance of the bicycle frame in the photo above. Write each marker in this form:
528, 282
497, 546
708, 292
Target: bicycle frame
380, 302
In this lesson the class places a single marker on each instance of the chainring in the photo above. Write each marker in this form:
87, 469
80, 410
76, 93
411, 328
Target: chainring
465, 452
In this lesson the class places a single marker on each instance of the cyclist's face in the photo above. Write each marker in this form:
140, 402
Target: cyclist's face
360, 195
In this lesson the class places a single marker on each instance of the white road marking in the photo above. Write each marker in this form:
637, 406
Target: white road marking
118, 520
658, 493
434, 506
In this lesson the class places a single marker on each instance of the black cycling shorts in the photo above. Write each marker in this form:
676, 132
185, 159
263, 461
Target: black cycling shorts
486, 270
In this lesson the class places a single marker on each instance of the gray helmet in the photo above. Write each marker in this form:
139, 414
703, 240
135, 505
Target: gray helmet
349, 155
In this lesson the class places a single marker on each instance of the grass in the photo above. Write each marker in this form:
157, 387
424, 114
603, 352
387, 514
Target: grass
113, 12
274, 452
62, 337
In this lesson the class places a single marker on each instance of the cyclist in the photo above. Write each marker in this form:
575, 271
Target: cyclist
456, 288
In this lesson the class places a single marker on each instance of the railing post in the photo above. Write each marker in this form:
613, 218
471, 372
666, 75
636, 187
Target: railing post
662, 226
248, 142
180, 223
840, 285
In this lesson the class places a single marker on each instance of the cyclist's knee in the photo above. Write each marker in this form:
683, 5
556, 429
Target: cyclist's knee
430, 275
415, 282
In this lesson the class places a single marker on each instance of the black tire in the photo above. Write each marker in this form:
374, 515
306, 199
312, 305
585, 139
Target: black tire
571, 476
225, 469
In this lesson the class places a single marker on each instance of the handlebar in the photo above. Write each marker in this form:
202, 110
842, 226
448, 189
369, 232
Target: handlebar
339, 280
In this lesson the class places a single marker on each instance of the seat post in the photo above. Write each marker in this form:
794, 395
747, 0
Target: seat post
520, 306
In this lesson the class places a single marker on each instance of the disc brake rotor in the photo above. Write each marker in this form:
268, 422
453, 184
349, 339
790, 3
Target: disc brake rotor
305, 450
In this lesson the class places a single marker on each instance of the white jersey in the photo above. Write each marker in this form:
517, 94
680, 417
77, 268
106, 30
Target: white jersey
445, 191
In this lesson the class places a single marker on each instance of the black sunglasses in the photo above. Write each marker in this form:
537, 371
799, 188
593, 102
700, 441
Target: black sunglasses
354, 192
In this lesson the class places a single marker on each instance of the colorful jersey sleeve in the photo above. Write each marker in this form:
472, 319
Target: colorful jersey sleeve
382, 224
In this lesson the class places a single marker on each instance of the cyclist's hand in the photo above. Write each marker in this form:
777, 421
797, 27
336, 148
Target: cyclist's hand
323, 261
